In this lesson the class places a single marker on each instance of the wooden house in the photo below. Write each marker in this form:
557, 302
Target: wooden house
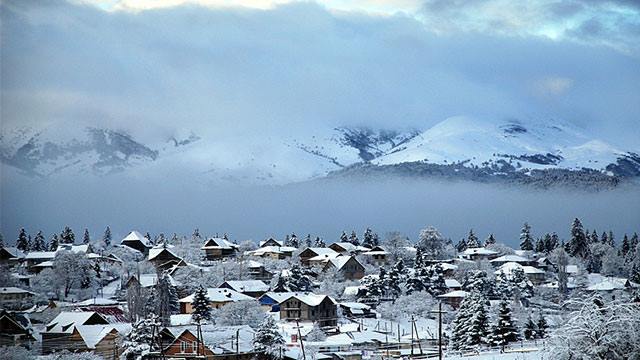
218, 297
348, 266
253, 288
219, 248
136, 241
309, 307
15, 329
312, 252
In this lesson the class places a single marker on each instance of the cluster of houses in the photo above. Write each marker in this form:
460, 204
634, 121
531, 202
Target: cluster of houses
99, 324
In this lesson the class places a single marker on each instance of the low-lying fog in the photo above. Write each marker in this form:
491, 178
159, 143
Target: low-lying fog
321, 208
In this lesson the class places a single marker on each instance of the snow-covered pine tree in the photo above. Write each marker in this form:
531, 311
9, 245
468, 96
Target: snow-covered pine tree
316, 333
562, 260
298, 280
553, 243
478, 281
437, 284
67, 236
395, 277
578, 245
460, 324
604, 238
612, 239
419, 260
293, 241
39, 242
307, 241
594, 237
530, 329
106, 238
522, 284
506, 330
196, 234
526, 241
344, 237
461, 245
167, 299
319, 242
491, 239
634, 274
540, 248
367, 238
633, 242
54, 243
150, 302
201, 311
85, 237
354, 239
503, 285
472, 240
174, 239
140, 339
29, 243
471, 323
541, 326
268, 342
23, 242
626, 246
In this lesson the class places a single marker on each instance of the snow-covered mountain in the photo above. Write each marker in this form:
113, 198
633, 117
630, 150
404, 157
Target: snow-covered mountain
505, 148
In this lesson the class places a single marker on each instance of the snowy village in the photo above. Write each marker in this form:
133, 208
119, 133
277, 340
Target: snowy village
362, 296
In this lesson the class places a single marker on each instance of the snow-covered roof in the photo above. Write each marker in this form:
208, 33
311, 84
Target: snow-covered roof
355, 305
247, 285
340, 261
220, 295
455, 294
136, 236
478, 251
14, 290
218, 243
272, 250
39, 255
452, 283
78, 249
510, 258
254, 264
278, 297
446, 266
155, 251
325, 257
261, 243
572, 269
148, 280
311, 299
347, 246
180, 319
96, 302
44, 264
351, 290
598, 282
322, 251
93, 334
378, 252
15, 252
508, 268
66, 320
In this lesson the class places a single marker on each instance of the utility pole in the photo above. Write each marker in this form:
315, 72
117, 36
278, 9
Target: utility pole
440, 330
413, 325
304, 357
411, 336
238, 341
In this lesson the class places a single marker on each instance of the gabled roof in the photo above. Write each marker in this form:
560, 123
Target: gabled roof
65, 321
220, 295
478, 251
156, 251
14, 252
320, 251
272, 250
509, 267
78, 249
325, 257
278, 297
148, 280
14, 290
347, 246
340, 261
136, 236
454, 294
218, 243
93, 334
40, 255
271, 240
247, 285
311, 299
511, 258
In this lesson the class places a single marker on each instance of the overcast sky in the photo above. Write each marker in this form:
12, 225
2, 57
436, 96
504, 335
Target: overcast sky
245, 67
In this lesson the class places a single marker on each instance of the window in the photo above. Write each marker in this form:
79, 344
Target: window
183, 347
194, 347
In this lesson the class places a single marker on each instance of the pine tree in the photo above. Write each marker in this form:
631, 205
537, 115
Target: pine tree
344, 237
578, 245
506, 330
367, 239
29, 243
419, 261
478, 281
196, 234
530, 329
1, 241
354, 239
54, 243
293, 241
67, 236
307, 241
319, 242
106, 238
86, 238
140, 339
167, 299
594, 237
604, 238
612, 240
471, 323
540, 245
526, 241
626, 245
542, 326
201, 310
23, 242
461, 245
634, 274
563, 277
633, 242
39, 242
554, 242
472, 240
490, 240
268, 342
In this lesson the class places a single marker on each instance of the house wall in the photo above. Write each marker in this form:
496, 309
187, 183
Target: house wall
294, 309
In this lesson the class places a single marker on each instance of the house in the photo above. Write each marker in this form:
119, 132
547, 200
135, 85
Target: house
217, 343
217, 298
321, 260
378, 255
452, 284
146, 281
136, 241
357, 310
271, 300
312, 252
348, 266
15, 298
271, 242
535, 275
83, 331
15, 329
162, 257
273, 252
453, 298
545, 264
309, 307
10, 256
34, 258
219, 248
346, 248
253, 288
257, 271
499, 261
477, 254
